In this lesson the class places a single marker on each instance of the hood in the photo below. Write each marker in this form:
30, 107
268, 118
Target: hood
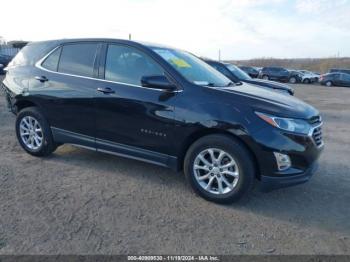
266, 101
271, 84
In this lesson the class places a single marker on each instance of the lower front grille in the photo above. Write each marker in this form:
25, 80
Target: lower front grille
317, 136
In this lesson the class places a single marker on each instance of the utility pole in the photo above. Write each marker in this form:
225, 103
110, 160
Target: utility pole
219, 55
129, 36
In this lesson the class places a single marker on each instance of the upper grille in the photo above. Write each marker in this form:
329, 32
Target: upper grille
316, 120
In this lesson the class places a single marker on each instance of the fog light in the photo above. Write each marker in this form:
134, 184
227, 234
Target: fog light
283, 161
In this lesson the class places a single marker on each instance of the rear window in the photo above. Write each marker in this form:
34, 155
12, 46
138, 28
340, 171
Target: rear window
78, 59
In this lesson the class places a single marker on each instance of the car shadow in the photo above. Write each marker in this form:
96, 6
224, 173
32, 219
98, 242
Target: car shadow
323, 202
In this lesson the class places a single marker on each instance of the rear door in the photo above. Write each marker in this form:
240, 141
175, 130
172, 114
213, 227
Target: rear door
130, 118
336, 80
274, 73
67, 81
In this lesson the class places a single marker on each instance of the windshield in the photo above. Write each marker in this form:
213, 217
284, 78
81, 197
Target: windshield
192, 68
238, 72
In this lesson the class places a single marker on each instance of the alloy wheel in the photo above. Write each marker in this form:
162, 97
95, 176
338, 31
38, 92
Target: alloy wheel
31, 133
216, 171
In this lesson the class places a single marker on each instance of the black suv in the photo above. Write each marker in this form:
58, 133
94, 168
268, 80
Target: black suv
163, 106
335, 79
251, 71
279, 74
236, 75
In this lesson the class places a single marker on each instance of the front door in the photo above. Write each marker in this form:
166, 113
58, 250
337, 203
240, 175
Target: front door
131, 119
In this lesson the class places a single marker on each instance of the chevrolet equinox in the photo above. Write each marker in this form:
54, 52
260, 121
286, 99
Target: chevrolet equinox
163, 106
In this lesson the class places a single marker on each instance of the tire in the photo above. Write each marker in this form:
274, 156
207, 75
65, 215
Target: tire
29, 142
306, 81
292, 80
265, 77
240, 184
329, 83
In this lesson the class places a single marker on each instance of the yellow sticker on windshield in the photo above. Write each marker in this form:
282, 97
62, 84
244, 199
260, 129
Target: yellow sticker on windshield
180, 62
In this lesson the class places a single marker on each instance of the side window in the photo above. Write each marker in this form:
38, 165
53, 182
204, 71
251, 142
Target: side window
51, 62
336, 76
78, 59
128, 65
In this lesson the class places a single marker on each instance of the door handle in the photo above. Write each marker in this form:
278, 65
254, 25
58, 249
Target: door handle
41, 78
106, 90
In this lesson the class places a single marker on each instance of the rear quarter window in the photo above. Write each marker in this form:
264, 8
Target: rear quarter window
31, 53
51, 62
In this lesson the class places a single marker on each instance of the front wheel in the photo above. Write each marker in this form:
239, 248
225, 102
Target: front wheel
329, 83
34, 133
306, 81
219, 168
265, 77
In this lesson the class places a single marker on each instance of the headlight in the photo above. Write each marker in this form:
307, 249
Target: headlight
288, 124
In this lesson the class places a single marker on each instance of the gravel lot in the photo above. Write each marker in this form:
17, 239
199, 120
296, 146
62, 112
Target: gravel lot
79, 201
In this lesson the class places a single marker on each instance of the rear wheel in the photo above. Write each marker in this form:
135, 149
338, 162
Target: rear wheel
292, 80
34, 133
306, 81
219, 168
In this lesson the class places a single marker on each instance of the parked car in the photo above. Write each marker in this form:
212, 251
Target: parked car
308, 77
334, 70
251, 71
236, 75
335, 79
279, 74
163, 106
4, 60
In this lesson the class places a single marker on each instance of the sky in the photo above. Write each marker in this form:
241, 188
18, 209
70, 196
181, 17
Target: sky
240, 29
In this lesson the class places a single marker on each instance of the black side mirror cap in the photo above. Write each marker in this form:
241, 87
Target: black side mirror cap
157, 82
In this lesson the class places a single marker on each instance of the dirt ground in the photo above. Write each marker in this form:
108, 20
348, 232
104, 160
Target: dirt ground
82, 202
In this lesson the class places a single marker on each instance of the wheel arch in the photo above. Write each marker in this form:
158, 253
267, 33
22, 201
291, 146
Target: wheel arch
24, 103
213, 131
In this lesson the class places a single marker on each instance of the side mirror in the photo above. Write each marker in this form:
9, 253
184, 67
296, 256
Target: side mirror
157, 82
1, 65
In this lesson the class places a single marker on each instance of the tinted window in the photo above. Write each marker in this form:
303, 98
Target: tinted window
51, 62
128, 65
221, 69
238, 72
78, 59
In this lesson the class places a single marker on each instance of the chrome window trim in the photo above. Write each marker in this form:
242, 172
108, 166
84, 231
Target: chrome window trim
39, 63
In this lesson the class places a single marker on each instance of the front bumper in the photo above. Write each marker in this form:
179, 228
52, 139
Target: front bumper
301, 149
269, 183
